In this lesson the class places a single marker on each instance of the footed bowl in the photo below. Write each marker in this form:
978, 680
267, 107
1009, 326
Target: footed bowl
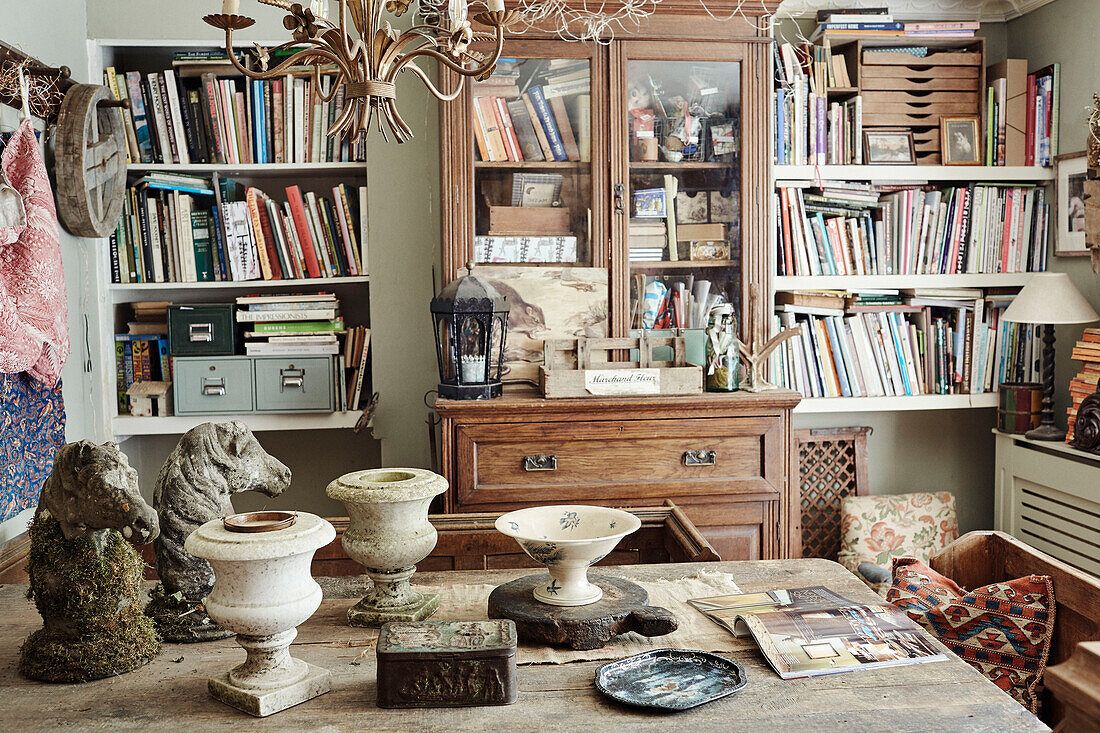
568, 539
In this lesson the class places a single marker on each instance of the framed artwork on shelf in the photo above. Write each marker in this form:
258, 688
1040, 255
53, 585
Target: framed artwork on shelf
961, 140
1070, 172
889, 147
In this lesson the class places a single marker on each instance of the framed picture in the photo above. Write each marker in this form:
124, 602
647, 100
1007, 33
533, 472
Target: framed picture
1070, 171
960, 140
889, 147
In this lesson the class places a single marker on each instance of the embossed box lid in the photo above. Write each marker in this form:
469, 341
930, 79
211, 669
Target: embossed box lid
401, 640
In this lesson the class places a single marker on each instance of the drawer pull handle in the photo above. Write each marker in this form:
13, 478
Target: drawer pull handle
200, 332
700, 458
213, 386
540, 463
292, 379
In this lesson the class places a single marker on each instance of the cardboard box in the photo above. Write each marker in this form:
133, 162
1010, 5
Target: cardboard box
1014, 72
532, 220
700, 232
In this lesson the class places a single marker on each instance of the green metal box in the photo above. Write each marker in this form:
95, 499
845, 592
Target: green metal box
202, 330
213, 386
293, 383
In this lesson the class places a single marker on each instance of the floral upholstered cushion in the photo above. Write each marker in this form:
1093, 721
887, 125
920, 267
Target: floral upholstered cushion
1004, 630
876, 529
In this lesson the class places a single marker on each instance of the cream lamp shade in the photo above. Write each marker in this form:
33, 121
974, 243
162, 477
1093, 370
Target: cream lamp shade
1050, 297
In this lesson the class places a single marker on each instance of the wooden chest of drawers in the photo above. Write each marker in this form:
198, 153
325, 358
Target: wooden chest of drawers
726, 460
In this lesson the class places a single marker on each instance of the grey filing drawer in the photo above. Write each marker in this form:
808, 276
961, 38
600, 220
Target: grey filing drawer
202, 330
293, 383
213, 386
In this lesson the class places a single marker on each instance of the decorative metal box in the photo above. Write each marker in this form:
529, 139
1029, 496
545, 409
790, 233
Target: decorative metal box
437, 664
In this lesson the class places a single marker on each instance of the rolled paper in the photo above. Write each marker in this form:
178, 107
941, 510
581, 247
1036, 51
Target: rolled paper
231, 7
651, 303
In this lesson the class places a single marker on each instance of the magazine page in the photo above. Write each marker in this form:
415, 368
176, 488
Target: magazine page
806, 632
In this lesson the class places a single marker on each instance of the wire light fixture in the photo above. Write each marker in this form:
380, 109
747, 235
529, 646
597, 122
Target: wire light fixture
368, 54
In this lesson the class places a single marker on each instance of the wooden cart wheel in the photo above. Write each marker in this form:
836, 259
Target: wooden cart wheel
90, 154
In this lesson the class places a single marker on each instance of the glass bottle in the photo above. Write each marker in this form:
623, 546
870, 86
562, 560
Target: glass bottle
723, 365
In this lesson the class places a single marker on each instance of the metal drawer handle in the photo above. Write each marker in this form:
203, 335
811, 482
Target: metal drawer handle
292, 378
200, 332
700, 458
213, 386
540, 462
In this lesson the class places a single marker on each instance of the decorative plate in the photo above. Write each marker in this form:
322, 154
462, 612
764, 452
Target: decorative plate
670, 679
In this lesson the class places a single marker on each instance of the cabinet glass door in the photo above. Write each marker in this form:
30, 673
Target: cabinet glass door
532, 130
680, 208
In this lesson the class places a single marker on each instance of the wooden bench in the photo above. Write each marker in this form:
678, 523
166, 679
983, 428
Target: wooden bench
980, 558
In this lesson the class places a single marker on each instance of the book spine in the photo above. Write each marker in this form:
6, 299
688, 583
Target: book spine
210, 96
120, 376
546, 118
137, 111
278, 121
120, 92
165, 361
301, 225
262, 245
347, 226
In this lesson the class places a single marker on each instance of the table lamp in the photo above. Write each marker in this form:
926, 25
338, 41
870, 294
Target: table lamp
1049, 298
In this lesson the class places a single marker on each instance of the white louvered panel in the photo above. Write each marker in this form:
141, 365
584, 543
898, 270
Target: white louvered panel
1063, 525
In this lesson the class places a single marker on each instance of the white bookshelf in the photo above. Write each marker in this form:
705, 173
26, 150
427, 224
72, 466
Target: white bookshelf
817, 405
855, 282
913, 173
106, 305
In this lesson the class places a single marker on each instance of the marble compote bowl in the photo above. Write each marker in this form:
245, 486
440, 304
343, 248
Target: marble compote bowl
567, 539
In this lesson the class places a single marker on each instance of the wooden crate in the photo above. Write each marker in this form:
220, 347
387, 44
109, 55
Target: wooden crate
528, 220
570, 366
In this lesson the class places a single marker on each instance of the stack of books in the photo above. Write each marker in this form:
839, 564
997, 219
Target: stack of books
647, 240
878, 22
860, 229
931, 342
1084, 384
141, 354
193, 113
181, 228
547, 119
1022, 119
283, 325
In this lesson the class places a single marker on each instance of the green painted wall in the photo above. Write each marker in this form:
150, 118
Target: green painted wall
1065, 32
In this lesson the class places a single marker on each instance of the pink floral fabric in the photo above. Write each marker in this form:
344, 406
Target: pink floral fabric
877, 529
34, 336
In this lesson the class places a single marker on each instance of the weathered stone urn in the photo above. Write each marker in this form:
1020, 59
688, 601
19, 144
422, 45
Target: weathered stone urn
263, 590
389, 533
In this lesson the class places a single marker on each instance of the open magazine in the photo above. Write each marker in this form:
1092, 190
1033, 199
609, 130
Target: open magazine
805, 632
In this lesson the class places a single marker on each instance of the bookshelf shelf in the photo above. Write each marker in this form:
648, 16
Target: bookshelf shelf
847, 282
272, 169
913, 173
125, 426
684, 165
692, 264
241, 284
534, 164
896, 404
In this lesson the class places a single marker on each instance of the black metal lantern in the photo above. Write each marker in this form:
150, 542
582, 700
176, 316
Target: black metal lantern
471, 322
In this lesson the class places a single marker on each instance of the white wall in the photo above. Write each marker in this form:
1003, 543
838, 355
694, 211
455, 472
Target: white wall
54, 31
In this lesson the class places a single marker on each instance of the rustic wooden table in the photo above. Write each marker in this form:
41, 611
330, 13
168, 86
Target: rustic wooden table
171, 690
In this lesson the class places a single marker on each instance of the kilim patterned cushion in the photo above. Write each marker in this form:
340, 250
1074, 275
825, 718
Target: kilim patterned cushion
1002, 629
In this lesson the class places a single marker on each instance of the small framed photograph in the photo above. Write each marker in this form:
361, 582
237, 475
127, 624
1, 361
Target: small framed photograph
1070, 172
961, 140
889, 147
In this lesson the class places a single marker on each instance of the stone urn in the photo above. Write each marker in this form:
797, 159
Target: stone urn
263, 590
389, 533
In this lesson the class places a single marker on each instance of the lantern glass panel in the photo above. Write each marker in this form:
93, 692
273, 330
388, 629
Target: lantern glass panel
472, 352
446, 357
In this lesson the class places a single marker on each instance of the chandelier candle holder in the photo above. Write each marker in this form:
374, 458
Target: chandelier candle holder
263, 590
367, 53
388, 534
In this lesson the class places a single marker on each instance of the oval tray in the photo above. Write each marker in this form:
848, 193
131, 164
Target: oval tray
670, 679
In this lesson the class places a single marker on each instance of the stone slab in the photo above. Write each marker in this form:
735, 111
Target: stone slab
317, 681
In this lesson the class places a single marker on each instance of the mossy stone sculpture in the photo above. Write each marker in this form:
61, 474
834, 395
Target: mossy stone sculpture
211, 462
85, 576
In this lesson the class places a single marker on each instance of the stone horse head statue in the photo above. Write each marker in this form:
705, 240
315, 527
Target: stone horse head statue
92, 487
212, 462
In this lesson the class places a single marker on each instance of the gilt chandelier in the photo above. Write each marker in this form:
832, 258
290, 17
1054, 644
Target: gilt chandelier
367, 54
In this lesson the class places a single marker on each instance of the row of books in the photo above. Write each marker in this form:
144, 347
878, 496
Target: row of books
187, 115
1084, 383
1022, 114
861, 229
936, 342
879, 22
550, 121
811, 130
180, 228
140, 358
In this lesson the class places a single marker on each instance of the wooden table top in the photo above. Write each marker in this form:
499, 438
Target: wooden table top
171, 690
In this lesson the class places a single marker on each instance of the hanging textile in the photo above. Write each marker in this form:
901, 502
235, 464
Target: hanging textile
33, 313
32, 429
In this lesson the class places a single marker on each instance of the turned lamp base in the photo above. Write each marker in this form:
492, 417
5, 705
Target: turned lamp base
262, 703
365, 613
1046, 432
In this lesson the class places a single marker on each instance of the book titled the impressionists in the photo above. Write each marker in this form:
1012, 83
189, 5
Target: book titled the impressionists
806, 632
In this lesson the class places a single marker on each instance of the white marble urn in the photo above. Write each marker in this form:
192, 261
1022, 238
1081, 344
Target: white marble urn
389, 533
263, 590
